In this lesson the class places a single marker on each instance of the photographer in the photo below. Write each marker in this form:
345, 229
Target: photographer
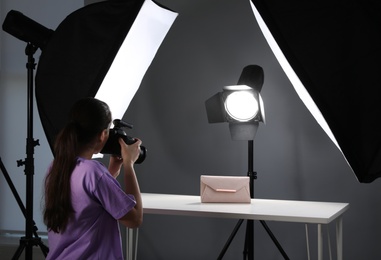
83, 200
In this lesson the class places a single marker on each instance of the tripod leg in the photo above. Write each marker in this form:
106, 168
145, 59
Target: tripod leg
230, 239
19, 250
12, 187
274, 240
44, 248
37, 239
248, 252
34, 242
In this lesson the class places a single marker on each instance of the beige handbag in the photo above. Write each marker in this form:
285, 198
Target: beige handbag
225, 189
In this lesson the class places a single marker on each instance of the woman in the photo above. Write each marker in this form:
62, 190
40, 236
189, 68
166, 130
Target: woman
83, 201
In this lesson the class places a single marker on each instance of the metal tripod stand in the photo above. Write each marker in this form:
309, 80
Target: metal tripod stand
248, 252
31, 237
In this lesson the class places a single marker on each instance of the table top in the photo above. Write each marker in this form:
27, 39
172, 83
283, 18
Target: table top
258, 209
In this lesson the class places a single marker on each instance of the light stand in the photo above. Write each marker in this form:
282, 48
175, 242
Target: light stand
28, 241
24, 28
248, 252
242, 106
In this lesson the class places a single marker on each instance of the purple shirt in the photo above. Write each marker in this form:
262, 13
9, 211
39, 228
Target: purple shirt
98, 201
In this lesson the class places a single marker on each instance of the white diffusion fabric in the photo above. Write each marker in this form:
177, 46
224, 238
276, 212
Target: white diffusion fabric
135, 56
294, 79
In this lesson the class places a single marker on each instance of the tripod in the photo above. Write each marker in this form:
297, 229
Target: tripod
248, 252
28, 241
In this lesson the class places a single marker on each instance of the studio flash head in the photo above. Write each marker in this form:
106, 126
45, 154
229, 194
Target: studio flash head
112, 145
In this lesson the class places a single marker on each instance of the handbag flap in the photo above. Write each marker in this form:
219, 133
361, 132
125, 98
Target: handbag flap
227, 183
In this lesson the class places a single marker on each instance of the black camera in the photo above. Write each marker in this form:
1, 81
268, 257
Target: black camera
112, 145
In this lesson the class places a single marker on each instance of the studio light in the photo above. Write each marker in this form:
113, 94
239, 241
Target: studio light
36, 36
240, 105
102, 50
27, 30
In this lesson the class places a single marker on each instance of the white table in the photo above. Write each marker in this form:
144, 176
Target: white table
259, 209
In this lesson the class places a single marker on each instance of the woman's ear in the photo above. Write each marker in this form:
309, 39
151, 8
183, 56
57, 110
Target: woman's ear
101, 140
104, 135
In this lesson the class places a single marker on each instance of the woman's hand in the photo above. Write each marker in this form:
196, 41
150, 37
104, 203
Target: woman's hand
130, 153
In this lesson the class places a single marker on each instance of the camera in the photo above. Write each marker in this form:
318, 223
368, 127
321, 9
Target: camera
112, 145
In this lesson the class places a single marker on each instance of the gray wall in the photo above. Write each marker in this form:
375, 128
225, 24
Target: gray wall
206, 49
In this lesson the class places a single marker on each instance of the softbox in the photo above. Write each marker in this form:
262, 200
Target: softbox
102, 50
333, 48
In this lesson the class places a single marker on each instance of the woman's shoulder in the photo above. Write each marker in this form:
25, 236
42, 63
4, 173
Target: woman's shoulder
92, 165
88, 174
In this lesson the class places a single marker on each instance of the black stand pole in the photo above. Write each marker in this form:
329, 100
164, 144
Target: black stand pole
28, 241
248, 252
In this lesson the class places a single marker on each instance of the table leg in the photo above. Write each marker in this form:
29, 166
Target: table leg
339, 238
320, 242
131, 243
308, 243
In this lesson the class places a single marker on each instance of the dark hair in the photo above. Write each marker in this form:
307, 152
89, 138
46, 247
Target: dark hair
87, 119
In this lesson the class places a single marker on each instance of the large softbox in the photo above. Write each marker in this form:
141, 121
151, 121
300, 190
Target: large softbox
102, 50
333, 48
